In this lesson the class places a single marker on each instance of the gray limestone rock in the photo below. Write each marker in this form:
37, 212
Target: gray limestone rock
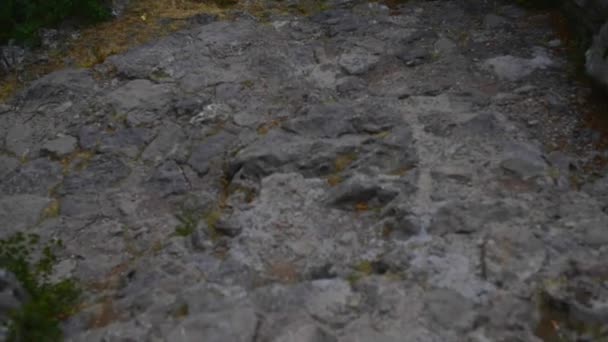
361, 173
61, 146
512, 253
445, 46
7, 165
232, 324
512, 68
139, 101
278, 151
60, 85
596, 64
209, 151
304, 332
450, 310
414, 56
19, 140
330, 301
582, 296
350, 84
128, 141
493, 21
323, 121
85, 206
22, 211
101, 172
89, 137
392, 87
357, 61
360, 189
524, 162
168, 179
170, 143
39, 176
467, 218
593, 231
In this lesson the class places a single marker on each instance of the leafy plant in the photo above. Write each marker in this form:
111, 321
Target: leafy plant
188, 220
48, 302
22, 19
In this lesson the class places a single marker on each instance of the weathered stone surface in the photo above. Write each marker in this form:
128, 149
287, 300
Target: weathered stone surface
515, 68
168, 179
596, 63
357, 61
467, 218
304, 332
445, 46
101, 172
89, 137
7, 165
493, 21
524, 162
84, 206
127, 141
413, 57
170, 143
450, 310
593, 231
324, 121
362, 173
268, 154
139, 95
19, 138
362, 190
228, 325
61, 146
209, 151
62, 84
512, 253
36, 177
20, 212
589, 310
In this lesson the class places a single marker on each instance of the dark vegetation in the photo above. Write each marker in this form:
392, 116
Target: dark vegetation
574, 28
48, 302
539, 4
21, 20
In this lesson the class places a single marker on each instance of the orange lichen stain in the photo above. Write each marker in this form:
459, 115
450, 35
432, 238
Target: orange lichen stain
105, 316
263, 129
361, 207
334, 180
344, 161
284, 272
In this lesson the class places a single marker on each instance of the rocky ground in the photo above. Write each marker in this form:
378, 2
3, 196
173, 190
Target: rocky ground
363, 173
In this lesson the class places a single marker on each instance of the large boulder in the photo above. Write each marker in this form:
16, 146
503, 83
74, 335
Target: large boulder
590, 23
596, 61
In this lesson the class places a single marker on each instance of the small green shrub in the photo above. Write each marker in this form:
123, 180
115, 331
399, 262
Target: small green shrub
188, 220
49, 302
22, 19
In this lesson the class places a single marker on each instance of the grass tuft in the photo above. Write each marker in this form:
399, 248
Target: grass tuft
188, 220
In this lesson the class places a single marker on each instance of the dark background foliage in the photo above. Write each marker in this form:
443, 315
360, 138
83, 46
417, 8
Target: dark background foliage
22, 19
539, 3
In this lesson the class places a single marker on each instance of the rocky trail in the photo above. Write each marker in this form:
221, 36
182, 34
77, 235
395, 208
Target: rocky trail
364, 173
